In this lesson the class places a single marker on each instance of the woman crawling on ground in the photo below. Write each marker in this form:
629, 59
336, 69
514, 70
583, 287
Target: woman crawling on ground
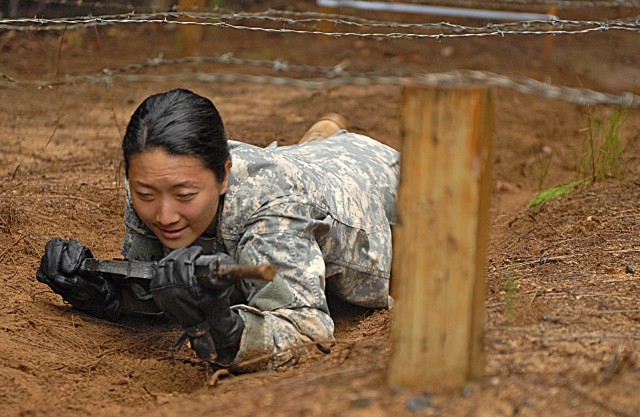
319, 211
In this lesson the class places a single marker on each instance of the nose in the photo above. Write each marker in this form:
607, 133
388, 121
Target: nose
166, 214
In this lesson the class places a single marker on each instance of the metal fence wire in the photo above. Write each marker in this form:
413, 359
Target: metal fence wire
285, 22
305, 23
531, 4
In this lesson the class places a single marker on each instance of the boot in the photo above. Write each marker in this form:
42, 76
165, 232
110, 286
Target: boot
327, 126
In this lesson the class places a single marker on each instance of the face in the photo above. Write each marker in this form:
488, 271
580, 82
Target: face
176, 196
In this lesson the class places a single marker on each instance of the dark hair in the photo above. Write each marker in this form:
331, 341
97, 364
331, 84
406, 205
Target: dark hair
181, 123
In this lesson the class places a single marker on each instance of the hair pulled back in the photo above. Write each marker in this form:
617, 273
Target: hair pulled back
181, 123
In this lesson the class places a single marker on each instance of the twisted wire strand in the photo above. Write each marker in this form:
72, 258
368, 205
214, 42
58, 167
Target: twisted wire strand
522, 85
559, 4
551, 27
277, 65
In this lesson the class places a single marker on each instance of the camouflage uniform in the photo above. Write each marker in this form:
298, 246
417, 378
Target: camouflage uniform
320, 212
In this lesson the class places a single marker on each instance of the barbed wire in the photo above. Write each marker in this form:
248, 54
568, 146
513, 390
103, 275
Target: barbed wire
447, 30
463, 78
88, 4
559, 4
537, 25
277, 65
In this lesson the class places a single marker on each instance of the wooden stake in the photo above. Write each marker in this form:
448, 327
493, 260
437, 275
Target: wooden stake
190, 37
439, 254
548, 39
327, 26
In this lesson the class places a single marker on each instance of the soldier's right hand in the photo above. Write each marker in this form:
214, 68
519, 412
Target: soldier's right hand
90, 293
212, 327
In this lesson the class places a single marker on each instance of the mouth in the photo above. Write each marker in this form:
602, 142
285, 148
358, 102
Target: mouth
172, 234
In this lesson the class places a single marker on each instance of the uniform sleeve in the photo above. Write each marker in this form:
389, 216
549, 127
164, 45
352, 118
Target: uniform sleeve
289, 312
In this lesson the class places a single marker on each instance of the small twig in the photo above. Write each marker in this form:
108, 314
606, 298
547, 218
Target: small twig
11, 246
613, 311
314, 377
85, 200
61, 107
612, 281
154, 395
588, 395
7, 77
589, 335
106, 351
540, 261
621, 250
269, 356
15, 172
213, 381
104, 64
535, 294
604, 295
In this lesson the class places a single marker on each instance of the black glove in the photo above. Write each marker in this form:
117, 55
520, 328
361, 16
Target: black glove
89, 293
212, 327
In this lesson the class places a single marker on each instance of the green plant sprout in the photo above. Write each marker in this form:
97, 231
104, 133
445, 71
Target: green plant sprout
602, 151
542, 165
510, 288
554, 193
601, 156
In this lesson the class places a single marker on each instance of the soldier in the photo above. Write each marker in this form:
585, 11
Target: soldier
319, 211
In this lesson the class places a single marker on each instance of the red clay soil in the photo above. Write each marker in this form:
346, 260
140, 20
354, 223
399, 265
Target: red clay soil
562, 306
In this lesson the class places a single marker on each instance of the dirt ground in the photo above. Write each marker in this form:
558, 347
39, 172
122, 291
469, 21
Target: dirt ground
562, 306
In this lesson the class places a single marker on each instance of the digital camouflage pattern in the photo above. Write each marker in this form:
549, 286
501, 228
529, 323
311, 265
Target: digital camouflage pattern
320, 212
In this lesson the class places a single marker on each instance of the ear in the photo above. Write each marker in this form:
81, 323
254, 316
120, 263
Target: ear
225, 182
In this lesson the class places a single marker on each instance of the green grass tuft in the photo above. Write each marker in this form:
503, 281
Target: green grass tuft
554, 193
601, 157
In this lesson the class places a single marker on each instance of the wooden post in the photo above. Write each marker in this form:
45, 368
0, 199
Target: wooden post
548, 39
327, 26
440, 241
190, 36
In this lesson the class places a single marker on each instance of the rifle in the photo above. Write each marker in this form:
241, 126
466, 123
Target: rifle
211, 271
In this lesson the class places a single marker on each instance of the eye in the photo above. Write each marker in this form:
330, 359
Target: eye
186, 196
145, 196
